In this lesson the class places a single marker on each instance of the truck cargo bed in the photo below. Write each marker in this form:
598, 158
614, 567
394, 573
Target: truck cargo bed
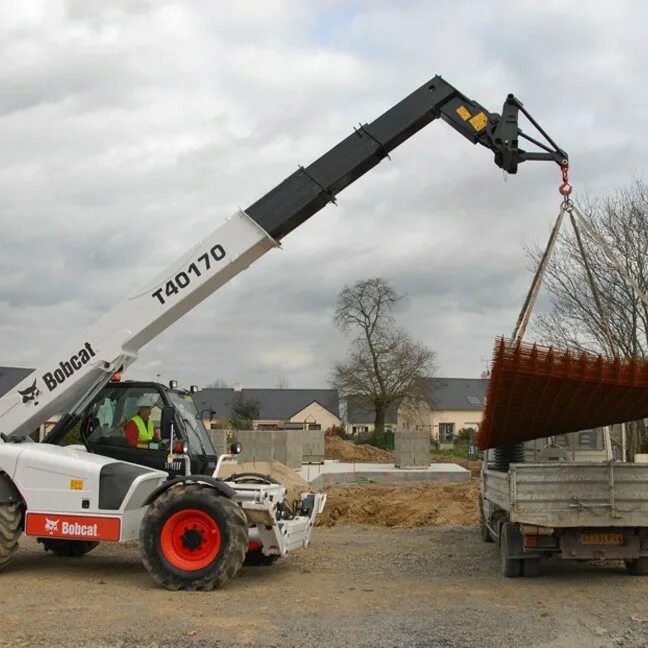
569, 494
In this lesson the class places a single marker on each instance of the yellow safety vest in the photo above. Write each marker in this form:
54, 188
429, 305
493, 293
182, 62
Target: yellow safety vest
145, 430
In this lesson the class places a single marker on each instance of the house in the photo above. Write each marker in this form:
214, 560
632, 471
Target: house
9, 378
359, 416
448, 405
313, 409
454, 404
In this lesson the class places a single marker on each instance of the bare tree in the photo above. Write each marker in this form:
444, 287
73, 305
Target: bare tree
282, 382
574, 319
219, 384
384, 363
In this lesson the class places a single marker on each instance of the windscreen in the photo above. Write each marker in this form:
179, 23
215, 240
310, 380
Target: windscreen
197, 437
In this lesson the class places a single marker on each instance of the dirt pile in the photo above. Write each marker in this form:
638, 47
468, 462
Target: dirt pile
336, 448
403, 505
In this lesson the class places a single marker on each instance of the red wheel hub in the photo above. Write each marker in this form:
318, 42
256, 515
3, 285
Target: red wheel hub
190, 539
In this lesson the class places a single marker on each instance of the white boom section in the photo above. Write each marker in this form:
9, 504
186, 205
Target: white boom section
72, 375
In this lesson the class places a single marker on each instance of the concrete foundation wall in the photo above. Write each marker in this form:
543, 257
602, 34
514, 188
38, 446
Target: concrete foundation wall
288, 447
313, 446
258, 445
412, 448
265, 445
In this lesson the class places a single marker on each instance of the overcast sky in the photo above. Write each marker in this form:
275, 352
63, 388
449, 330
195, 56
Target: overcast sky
129, 130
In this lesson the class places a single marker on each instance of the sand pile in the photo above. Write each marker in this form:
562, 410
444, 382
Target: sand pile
336, 448
286, 476
403, 505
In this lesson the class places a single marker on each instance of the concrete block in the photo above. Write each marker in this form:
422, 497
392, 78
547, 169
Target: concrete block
258, 445
412, 448
288, 447
313, 446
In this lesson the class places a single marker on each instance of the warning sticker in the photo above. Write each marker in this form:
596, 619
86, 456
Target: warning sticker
463, 112
479, 121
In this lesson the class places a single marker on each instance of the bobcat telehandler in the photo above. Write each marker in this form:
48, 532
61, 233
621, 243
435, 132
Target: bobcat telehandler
194, 529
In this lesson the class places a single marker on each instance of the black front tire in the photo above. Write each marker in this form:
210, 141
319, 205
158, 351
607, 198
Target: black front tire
10, 530
68, 548
232, 526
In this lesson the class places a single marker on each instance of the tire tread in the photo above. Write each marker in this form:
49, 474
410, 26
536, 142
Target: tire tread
235, 551
10, 530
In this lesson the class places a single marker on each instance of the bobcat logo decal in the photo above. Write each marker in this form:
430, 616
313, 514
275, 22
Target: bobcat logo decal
51, 526
30, 394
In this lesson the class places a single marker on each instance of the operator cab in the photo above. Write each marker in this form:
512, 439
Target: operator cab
175, 423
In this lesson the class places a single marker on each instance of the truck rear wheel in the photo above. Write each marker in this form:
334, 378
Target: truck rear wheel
68, 548
637, 567
193, 538
531, 567
10, 530
510, 567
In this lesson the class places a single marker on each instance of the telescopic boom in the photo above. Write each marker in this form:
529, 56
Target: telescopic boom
70, 378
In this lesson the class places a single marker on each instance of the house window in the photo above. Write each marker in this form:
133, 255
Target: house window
590, 439
314, 426
446, 431
360, 429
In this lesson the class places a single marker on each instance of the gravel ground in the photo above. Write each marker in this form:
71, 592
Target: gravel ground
356, 586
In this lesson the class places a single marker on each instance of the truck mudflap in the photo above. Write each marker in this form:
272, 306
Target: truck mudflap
263, 507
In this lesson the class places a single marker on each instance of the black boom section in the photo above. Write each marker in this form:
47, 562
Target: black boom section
307, 190
114, 481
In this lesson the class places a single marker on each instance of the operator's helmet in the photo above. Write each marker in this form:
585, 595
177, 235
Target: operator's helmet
147, 400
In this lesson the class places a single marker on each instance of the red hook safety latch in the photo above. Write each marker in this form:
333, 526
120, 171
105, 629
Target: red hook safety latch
565, 188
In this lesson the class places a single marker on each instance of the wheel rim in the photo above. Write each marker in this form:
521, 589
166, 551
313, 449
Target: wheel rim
190, 539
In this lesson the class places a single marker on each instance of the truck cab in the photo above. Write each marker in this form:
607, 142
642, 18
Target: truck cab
180, 446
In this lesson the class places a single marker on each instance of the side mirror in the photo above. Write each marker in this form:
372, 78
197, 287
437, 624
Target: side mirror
236, 448
166, 422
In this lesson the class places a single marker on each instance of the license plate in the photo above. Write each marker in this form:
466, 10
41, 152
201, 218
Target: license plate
602, 538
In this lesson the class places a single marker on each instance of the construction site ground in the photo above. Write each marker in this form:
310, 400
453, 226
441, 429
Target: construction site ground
390, 566
356, 586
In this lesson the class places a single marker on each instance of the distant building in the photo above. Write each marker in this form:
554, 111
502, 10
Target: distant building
11, 376
360, 416
314, 409
449, 405
453, 404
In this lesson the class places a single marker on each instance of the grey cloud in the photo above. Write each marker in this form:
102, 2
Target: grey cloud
142, 125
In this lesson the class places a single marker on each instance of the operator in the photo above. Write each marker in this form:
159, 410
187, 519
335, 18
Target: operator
140, 431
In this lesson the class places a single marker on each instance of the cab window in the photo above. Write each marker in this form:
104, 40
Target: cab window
110, 414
